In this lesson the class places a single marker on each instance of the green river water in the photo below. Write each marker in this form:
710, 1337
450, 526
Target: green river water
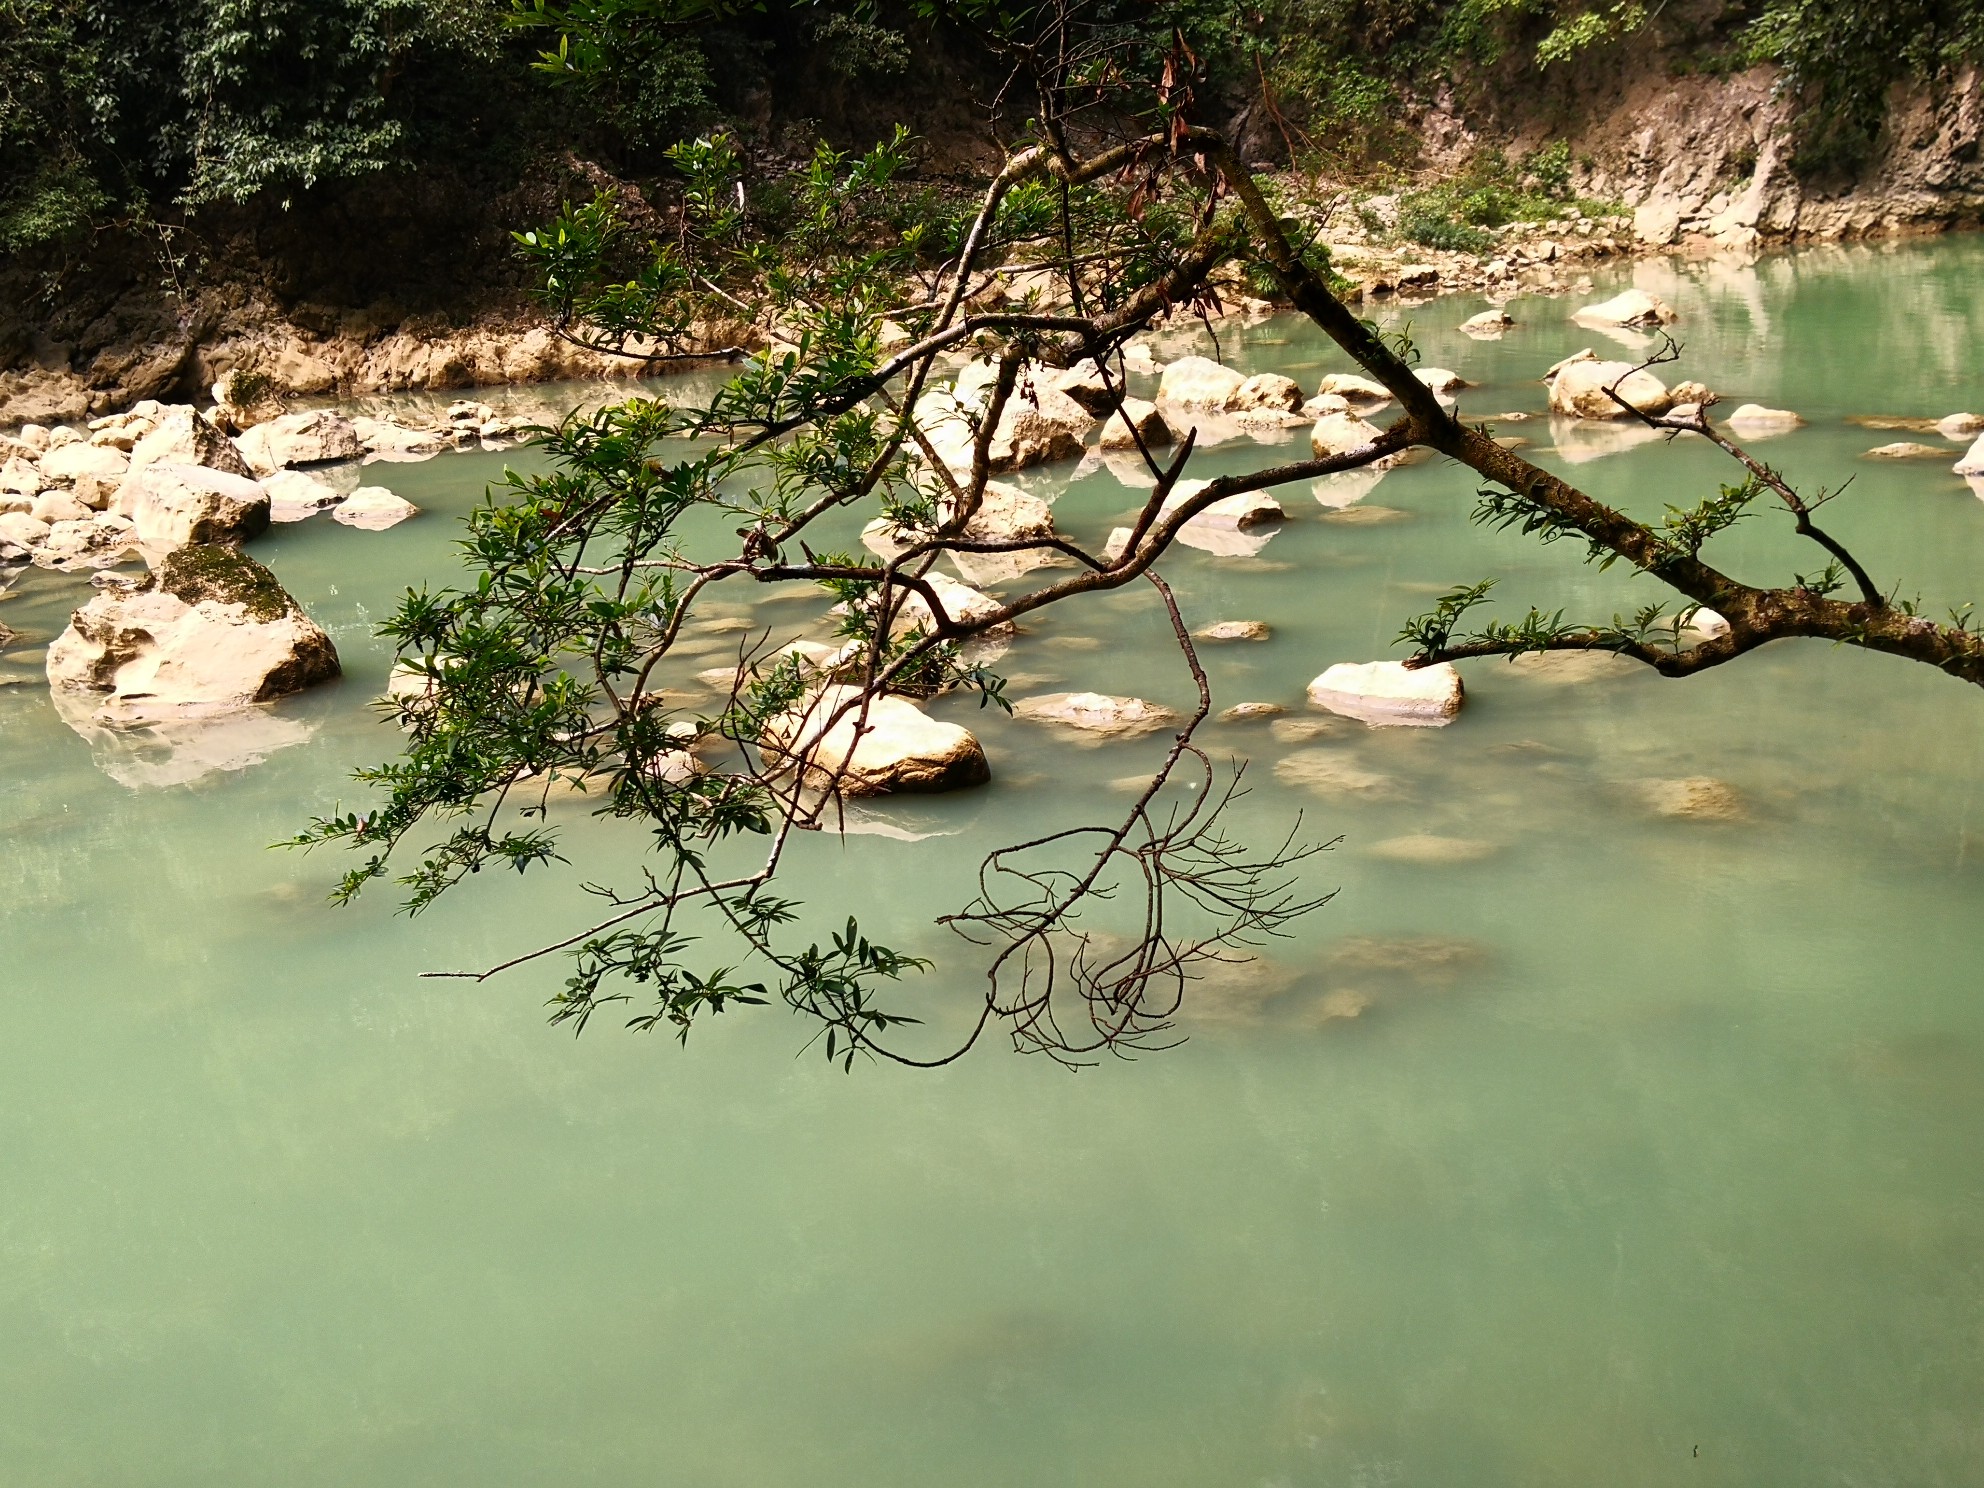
1627, 1150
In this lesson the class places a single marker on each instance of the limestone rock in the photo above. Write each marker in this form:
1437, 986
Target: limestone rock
1097, 713
1441, 380
1267, 390
64, 464
1199, 382
1353, 388
210, 631
1144, 418
1632, 307
1973, 461
895, 748
1697, 798
1331, 772
1389, 692
171, 506
1753, 419
1340, 433
185, 437
1234, 630
373, 508
1248, 510
294, 496
1251, 712
318, 437
1429, 849
1488, 325
1956, 426
1579, 390
1586, 355
1086, 385
1903, 450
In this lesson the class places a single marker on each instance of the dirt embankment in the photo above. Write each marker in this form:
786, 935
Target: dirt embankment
372, 297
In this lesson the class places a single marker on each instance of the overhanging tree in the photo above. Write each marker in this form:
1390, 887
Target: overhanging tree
559, 665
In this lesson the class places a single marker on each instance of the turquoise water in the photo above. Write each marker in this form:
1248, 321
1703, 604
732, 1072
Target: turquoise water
1615, 1149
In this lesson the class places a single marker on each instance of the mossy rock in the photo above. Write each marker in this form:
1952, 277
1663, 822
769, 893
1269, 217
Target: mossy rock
225, 575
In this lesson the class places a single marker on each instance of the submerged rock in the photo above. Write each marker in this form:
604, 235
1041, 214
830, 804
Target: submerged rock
1903, 450
211, 630
318, 437
1234, 630
1384, 693
896, 748
1097, 713
1960, 425
1340, 434
1330, 772
1428, 849
1697, 798
294, 496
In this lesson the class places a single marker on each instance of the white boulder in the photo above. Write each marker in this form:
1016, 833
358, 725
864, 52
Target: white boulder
1488, 325
184, 437
1390, 692
1579, 390
1753, 420
1340, 434
1097, 713
1355, 389
211, 630
1441, 379
1268, 391
1632, 307
294, 496
888, 746
1973, 461
318, 437
171, 506
1142, 417
65, 464
373, 508
1199, 382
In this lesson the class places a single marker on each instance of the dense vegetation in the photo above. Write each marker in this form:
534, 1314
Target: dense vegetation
140, 110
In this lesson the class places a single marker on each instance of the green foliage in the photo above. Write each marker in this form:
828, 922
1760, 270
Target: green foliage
1492, 192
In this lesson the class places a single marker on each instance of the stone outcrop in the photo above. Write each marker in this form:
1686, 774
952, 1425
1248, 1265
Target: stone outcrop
896, 748
1199, 382
1340, 434
1631, 308
211, 630
1390, 692
373, 508
171, 506
318, 437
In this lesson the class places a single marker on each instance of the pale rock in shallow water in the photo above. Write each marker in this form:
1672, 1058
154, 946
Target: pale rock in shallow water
1353, 388
1266, 390
373, 508
890, 747
1441, 380
1586, 355
211, 630
1957, 425
1904, 450
1579, 390
1234, 630
1324, 403
1488, 325
1199, 382
1632, 307
1085, 384
1697, 798
1344, 488
318, 437
1973, 462
1251, 712
1340, 434
1142, 417
1754, 421
1097, 713
172, 506
1248, 510
1384, 693
1428, 849
294, 496
58, 506
1690, 391
1331, 772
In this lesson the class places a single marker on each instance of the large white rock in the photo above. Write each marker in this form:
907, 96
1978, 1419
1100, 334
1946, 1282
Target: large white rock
1037, 426
1753, 420
317, 437
67, 463
1267, 390
1973, 461
211, 630
1097, 713
1632, 307
1579, 390
1140, 416
184, 437
171, 506
1340, 434
1355, 389
1441, 379
895, 747
1198, 382
1955, 426
1085, 383
1390, 692
1489, 325
374, 509
294, 496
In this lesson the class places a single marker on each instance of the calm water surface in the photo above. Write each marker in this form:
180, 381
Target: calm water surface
1627, 1151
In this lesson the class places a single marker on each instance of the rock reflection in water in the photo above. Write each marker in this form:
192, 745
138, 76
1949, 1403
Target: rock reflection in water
185, 750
